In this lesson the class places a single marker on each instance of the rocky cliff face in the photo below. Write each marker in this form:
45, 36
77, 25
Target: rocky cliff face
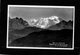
17, 23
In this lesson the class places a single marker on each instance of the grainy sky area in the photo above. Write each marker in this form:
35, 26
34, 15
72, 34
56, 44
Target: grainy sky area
35, 12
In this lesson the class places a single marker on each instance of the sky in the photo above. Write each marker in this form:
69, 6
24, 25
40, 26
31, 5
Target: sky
36, 12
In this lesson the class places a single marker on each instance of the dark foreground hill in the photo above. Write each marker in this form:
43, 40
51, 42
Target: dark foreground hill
44, 38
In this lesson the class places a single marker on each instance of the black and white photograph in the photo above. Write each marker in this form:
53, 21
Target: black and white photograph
40, 27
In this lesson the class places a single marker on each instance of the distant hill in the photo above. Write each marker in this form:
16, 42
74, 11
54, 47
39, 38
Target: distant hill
62, 25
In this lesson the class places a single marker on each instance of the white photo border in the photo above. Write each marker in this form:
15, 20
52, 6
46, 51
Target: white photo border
40, 7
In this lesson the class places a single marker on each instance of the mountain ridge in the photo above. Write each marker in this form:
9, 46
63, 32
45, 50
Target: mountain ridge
21, 24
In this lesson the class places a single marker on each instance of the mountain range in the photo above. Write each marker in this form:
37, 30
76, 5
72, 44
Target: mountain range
19, 28
19, 23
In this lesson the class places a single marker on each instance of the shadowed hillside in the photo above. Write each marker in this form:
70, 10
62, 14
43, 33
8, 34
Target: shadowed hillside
44, 37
